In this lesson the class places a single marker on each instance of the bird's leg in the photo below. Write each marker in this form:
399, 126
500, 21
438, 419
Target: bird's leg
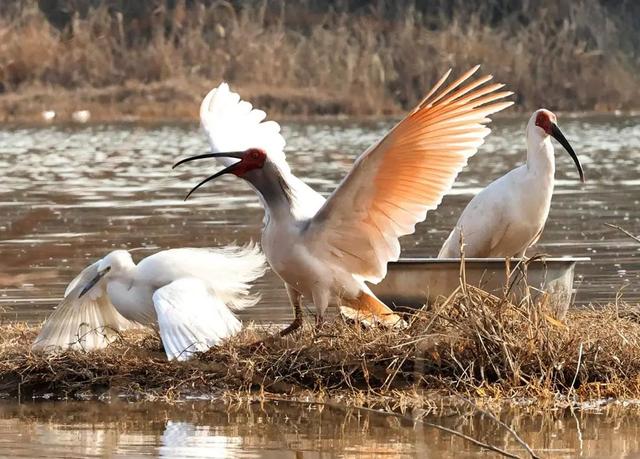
295, 298
321, 302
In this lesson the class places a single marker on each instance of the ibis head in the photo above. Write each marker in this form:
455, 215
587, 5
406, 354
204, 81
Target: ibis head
548, 123
249, 160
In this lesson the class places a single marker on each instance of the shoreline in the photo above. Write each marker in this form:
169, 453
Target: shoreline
168, 103
472, 346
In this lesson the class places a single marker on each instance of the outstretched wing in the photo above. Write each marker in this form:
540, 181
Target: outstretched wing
191, 318
87, 323
394, 183
232, 124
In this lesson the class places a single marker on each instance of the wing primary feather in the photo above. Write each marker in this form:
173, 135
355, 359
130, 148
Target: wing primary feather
439, 83
476, 94
453, 110
86, 323
457, 101
455, 97
393, 184
191, 318
455, 84
464, 103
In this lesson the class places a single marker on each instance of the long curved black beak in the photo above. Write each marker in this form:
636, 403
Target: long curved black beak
94, 281
232, 154
557, 134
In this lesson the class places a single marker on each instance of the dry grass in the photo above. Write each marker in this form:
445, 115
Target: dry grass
473, 344
380, 60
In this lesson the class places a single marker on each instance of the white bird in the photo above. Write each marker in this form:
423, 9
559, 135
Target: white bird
508, 216
326, 250
81, 116
185, 292
48, 115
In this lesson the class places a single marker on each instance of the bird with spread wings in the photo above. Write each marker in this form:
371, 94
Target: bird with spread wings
327, 250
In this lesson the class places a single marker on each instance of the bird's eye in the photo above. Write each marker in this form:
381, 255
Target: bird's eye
255, 154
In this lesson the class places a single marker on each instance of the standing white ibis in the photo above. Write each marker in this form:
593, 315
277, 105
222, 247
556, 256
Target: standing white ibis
185, 292
508, 216
326, 250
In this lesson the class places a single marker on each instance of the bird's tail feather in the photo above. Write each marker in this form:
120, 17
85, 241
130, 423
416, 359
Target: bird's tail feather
239, 268
368, 309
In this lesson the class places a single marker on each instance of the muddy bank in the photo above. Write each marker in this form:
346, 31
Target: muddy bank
171, 101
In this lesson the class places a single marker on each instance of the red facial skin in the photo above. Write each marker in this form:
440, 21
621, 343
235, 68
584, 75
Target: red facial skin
545, 119
254, 158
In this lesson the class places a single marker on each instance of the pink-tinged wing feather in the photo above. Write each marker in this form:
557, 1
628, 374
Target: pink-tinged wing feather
394, 183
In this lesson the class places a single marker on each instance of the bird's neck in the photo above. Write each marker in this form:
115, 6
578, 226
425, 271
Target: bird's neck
540, 155
124, 273
127, 269
131, 299
275, 193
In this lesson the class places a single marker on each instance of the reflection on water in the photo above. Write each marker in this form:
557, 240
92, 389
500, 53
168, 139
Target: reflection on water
276, 430
68, 196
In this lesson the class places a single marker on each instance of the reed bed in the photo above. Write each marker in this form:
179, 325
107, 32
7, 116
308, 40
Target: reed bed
157, 59
473, 344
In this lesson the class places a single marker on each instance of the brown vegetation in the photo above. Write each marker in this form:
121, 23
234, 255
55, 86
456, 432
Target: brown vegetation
306, 57
472, 344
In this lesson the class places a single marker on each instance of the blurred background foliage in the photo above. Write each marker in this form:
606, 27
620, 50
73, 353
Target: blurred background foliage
356, 56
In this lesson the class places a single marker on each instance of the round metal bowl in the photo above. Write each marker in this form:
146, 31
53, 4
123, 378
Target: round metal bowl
414, 282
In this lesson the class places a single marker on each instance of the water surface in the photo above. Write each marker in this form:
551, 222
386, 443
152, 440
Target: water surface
283, 430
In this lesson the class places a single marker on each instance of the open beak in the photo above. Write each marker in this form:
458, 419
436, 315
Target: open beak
556, 133
233, 154
94, 281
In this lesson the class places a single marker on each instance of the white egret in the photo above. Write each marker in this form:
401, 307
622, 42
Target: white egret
508, 216
185, 292
326, 250
48, 115
81, 116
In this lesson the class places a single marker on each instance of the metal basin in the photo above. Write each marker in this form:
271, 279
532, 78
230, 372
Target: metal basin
415, 281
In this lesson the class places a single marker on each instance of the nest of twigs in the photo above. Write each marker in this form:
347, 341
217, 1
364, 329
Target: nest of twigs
472, 343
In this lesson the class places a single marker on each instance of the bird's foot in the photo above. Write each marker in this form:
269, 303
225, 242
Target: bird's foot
295, 325
263, 343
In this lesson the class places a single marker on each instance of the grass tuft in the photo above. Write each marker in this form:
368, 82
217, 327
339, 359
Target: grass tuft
473, 344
